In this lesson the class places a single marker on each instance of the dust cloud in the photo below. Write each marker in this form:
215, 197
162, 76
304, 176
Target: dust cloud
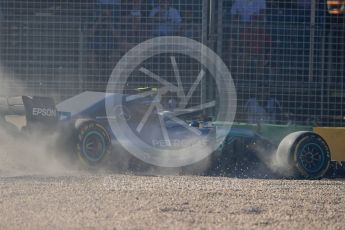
37, 153
24, 154
276, 159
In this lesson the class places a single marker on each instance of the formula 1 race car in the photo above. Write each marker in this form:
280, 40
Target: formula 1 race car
81, 123
84, 131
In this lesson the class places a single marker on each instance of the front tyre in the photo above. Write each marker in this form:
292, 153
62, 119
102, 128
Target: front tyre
93, 142
312, 156
303, 154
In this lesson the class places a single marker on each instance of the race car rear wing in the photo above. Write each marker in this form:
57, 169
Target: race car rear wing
40, 110
36, 109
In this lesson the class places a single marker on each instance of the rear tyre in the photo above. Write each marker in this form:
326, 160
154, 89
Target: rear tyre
93, 142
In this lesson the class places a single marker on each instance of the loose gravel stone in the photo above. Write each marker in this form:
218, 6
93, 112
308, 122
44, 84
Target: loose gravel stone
110, 201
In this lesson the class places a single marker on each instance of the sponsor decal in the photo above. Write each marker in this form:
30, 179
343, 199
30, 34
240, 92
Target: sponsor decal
44, 112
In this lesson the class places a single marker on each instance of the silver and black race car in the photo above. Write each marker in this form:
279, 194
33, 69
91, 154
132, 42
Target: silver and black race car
82, 124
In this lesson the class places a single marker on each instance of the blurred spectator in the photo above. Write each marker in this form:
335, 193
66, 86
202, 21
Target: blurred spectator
103, 44
1, 19
274, 110
108, 9
190, 28
303, 10
255, 42
248, 10
134, 25
109, 2
265, 108
255, 112
132, 30
166, 19
250, 40
305, 4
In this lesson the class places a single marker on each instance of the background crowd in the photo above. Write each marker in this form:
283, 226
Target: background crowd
265, 43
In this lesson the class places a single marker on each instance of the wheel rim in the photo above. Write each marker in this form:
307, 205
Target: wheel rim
93, 146
311, 157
